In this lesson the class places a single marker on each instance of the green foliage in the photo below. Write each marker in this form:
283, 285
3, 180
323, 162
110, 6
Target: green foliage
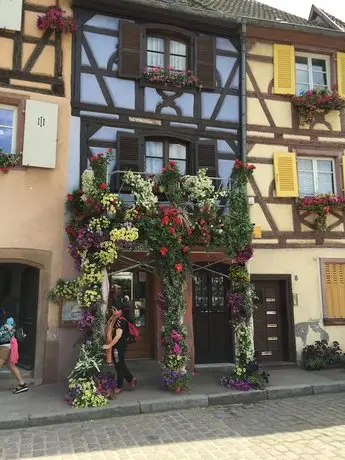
321, 355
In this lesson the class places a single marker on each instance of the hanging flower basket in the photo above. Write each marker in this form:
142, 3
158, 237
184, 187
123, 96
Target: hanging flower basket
317, 100
7, 161
171, 77
321, 205
56, 19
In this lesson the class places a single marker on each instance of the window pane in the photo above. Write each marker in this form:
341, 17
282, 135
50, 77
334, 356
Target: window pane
306, 183
155, 59
6, 117
324, 165
300, 88
154, 149
305, 165
181, 166
319, 65
153, 165
6, 136
155, 44
301, 63
302, 76
178, 62
319, 79
177, 152
325, 183
178, 48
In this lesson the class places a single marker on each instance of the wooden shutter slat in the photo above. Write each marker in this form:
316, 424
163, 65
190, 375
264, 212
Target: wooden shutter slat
128, 156
205, 60
284, 69
129, 50
285, 173
341, 73
335, 290
205, 157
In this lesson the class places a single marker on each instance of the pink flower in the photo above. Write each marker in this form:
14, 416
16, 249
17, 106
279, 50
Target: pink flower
177, 349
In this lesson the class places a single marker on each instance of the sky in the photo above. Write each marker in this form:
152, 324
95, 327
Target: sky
302, 7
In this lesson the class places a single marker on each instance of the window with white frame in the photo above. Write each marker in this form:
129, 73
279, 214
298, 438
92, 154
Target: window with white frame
8, 128
159, 153
315, 176
312, 71
164, 52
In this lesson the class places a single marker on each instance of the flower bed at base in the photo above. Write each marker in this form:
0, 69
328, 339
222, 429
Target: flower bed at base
100, 224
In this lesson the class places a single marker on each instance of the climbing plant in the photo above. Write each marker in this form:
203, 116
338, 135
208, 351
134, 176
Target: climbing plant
170, 214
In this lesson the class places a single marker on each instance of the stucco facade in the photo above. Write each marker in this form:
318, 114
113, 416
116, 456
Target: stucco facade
36, 66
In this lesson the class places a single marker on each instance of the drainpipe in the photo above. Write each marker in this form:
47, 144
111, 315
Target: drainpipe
243, 93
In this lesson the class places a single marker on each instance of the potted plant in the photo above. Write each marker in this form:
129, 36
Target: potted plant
56, 19
171, 77
7, 161
321, 205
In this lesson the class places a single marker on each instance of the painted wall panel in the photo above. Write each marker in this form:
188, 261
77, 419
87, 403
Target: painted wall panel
106, 133
223, 147
230, 109
151, 99
90, 91
84, 59
102, 47
186, 104
225, 169
224, 66
104, 22
225, 44
208, 103
122, 92
73, 155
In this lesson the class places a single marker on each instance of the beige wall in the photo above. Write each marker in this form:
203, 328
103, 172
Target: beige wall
33, 199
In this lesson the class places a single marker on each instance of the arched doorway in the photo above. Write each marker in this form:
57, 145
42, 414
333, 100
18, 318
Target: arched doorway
19, 287
213, 332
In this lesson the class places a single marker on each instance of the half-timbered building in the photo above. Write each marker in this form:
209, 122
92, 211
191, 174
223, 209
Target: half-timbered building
147, 124
298, 269
34, 134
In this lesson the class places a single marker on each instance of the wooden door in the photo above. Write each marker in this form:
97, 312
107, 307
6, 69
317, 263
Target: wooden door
269, 322
212, 330
28, 315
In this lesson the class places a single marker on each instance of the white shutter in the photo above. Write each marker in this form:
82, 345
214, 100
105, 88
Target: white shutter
40, 134
11, 14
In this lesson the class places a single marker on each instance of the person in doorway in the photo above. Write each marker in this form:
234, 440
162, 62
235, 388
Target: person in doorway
118, 329
9, 348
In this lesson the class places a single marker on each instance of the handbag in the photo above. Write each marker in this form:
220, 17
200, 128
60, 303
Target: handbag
20, 335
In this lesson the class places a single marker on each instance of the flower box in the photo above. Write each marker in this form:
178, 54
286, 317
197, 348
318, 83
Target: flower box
7, 161
171, 78
317, 100
321, 205
56, 19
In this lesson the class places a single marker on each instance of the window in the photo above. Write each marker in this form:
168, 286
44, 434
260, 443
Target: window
159, 153
333, 290
163, 52
315, 176
312, 71
8, 128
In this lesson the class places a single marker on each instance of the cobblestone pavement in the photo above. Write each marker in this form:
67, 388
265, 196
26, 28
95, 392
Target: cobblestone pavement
297, 428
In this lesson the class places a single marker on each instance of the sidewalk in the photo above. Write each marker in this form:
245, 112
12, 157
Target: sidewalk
44, 405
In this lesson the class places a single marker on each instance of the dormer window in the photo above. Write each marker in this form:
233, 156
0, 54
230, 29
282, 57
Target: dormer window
165, 52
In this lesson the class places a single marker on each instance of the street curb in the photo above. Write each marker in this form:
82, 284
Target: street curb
171, 403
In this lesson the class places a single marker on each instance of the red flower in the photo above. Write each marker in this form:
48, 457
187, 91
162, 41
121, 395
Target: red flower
164, 170
103, 186
185, 249
165, 220
250, 166
201, 222
326, 209
179, 267
177, 221
93, 158
172, 163
4, 170
163, 251
172, 230
70, 197
189, 231
99, 155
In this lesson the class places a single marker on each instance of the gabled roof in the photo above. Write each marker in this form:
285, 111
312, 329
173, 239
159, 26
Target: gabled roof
322, 18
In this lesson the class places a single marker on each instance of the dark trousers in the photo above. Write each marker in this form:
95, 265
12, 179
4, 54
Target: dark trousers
121, 367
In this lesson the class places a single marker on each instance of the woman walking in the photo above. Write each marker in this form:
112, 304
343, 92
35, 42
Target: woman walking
116, 337
9, 348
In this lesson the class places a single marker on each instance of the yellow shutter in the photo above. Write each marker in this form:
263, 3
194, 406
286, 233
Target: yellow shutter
284, 69
341, 73
285, 174
335, 290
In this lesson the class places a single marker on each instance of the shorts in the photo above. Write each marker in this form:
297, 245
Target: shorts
4, 353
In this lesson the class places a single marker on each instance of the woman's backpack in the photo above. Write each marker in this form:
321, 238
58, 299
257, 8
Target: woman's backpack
133, 332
